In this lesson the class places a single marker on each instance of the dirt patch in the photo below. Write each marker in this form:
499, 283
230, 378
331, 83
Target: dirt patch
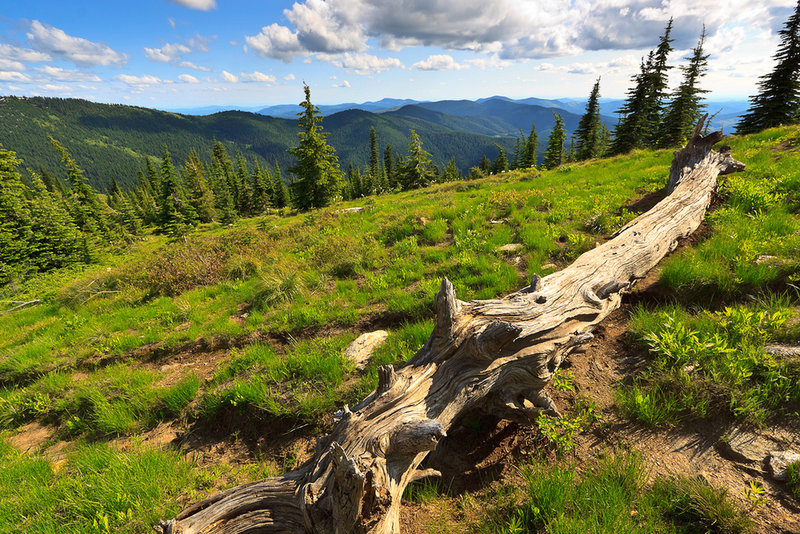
31, 437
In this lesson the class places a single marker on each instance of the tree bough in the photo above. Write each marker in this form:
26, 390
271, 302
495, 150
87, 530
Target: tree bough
495, 356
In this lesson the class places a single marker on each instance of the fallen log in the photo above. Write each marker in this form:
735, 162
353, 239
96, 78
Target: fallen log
491, 355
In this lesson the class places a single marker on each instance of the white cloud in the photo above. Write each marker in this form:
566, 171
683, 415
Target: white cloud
439, 62
188, 78
12, 76
276, 42
171, 22
16, 53
168, 53
516, 29
68, 75
52, 41
138, 81
202, 5
492, 62
190, 65
7, 64
362, 63
228, 77
15, 88
256, 76
289, 77
344, 84
54, 87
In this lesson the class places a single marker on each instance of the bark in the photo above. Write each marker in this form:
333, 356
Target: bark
491, 355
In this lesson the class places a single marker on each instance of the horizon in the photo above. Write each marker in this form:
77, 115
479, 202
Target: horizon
197, 53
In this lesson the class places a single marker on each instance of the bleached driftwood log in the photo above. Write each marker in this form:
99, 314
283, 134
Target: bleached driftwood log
490, 355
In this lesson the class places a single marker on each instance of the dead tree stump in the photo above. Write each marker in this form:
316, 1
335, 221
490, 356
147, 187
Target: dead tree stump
493, 355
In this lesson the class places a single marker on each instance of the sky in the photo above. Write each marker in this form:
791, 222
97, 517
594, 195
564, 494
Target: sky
250, 53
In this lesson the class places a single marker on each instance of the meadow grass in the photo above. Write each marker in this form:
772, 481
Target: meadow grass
86, 360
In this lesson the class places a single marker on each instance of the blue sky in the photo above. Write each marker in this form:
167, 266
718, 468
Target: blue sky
189, 53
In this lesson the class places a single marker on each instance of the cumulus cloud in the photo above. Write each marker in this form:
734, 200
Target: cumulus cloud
258, 77
13, 76
510, 29
168, 53
621, 65
345, 84
276, 42
16, 53
228, 77
362, 63
188, 78
289, 77
55, 42
138, 81
54, 87
439, 62
190, 65
7, 64
68, 75
202, 5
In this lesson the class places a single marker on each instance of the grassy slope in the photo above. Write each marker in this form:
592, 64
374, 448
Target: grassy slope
273, 301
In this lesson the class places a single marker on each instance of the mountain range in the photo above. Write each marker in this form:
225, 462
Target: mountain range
112, 141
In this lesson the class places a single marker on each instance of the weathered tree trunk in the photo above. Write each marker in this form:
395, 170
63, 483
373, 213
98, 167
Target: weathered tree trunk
490, 355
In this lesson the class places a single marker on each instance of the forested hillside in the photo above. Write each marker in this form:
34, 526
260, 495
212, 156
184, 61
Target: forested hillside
112, 141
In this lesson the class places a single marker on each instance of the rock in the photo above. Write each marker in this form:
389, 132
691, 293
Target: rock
360, 351
511, 248
357, 209
549, 266
783, 350
779, 462
765, 259
744, 446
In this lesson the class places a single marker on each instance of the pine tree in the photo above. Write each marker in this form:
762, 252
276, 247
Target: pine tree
16, 230
198, 193
500, 163
245, 192
641, 112
153, 177
388, 167
451, 173
588, 132
778, 98
319, 179
55, 239
531, 148
554, 156
279, 190
261, 185
87, 210
175, 213
685, 109
374, 159
416, 170
485, 165
146, 206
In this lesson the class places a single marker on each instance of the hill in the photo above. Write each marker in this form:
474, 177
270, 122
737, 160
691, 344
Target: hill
135, 386
111, 141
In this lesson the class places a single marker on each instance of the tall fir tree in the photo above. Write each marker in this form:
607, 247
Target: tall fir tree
388, 167
280, 191
531, 147
778, 98
319, 179
87, 210
153, 176
500, 163
451, 172
198, 193
176, 215
686, 106
245, 192
554, 156
374, 159
485, 165
588, 133
416, 170
261, 185
643, 107
16, 222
